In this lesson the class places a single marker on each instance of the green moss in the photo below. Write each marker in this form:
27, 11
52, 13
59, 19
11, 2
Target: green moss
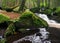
26, 19
29, 19
58, 11
48, 11
3, 18
10, 30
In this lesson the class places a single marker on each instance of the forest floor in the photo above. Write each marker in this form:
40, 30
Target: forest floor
12, 15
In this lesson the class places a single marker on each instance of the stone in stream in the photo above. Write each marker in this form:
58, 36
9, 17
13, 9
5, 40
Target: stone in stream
38, 34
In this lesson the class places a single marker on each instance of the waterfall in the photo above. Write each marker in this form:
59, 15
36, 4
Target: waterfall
45, 17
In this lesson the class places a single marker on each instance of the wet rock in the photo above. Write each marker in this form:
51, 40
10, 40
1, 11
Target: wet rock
38, 34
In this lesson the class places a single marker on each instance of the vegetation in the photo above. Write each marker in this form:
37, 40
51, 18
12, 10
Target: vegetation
35, 10
57, 11
29, 19
3, 18
47, 11
3, 40
10, 30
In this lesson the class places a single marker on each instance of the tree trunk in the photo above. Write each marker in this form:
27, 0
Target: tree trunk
22, 5
38, 3
48, 3
42, 2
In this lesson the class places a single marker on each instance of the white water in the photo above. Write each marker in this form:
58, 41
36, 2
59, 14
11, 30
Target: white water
44, 16
51, 23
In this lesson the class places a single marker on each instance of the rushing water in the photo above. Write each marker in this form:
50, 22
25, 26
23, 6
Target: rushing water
44, 16
51, 23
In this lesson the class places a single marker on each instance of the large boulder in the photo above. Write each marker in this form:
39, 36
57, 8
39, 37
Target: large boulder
29, 20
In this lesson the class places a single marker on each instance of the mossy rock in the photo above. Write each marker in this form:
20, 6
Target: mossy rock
29, 19
4, 18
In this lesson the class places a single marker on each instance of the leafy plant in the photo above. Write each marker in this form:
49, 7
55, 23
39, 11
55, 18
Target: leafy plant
57, 11
48, 11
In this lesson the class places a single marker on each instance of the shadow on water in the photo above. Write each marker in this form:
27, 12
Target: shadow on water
56, 18
54, 32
